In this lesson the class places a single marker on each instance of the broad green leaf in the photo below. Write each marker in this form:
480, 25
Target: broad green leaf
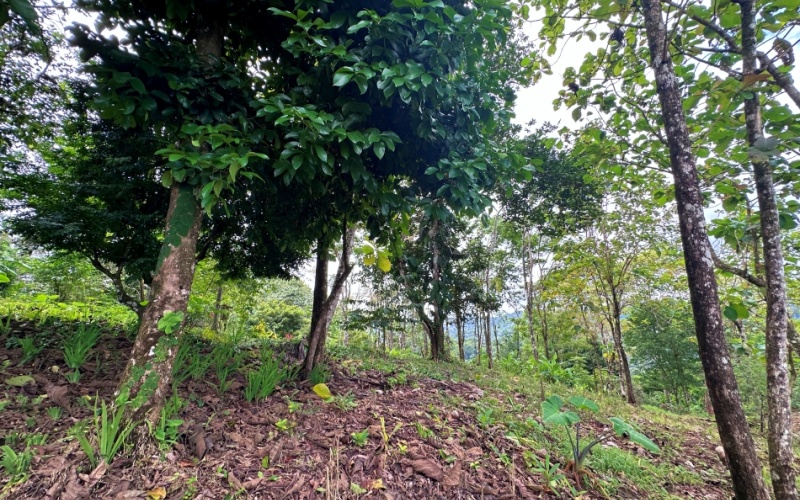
583, 403
322, 391
552, 414
622, 428
4, 278
384, 264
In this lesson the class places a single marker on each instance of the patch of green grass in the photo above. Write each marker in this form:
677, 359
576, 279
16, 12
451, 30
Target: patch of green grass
647, 475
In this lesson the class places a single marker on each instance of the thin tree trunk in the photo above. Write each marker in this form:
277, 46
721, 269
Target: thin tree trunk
779, 434
217, 309
731, 423
487, 333
616, 328
478, 335
528, 281
327, 304
460, 333
496, 342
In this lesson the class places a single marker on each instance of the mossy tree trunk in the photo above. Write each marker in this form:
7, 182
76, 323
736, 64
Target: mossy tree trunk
148, 374
147, 378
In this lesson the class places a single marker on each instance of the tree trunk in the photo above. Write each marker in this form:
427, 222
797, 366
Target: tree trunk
460, 333
148, 374
625, 369
496, 341
326, 303
487, 333
478, 336
528, 281
217, 309
731, 423
779, 434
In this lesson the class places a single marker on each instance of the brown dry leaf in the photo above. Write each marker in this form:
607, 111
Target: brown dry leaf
198, 442
474, 452
750, 79
128, 494
59, 394
158, 493
428, 468
94, 476
453, 477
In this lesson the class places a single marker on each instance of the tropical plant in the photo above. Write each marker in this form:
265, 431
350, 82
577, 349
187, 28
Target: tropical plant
262, 382
111, 431
15, 464
78, 345
552, 413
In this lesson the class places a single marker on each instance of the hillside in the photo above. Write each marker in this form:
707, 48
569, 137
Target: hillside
396, 428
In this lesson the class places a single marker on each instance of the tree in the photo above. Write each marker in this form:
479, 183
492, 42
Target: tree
661, 335
622, 62
555, 196
96, 199
733, 430
324, 105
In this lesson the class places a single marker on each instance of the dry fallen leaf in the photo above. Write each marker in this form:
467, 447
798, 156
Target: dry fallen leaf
377, 485
159, 493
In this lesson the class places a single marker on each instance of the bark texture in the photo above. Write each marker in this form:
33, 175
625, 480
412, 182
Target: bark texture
779, 431
148, 374
324, 304
734, 432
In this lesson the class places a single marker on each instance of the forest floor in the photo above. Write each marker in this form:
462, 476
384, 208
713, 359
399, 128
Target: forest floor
427, 431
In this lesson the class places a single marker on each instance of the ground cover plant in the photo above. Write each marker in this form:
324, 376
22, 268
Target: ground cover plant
457, 430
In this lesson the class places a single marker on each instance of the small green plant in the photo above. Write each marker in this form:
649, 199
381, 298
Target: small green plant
4, 404
189, 361
167, 430
78, 345
360, 438
387, 436
486, 415
424, 432
284, 424
36, 439
345, 402
225, 361
54, 412
293, 406
553, 414
73, 377
551, 476
398, 379
15, 464
110, 430
262, 382
30, 349
319, 374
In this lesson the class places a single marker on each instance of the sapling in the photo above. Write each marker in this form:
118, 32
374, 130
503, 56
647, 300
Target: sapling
552, 414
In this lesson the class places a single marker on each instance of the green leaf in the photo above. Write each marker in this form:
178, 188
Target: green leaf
552, 414
170, 321
321, 153
380, 149
622, 428
384, 264
342, 77
583, 403
20, 380
25, 10
4, 278
730, 313
786, 221
322, 391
